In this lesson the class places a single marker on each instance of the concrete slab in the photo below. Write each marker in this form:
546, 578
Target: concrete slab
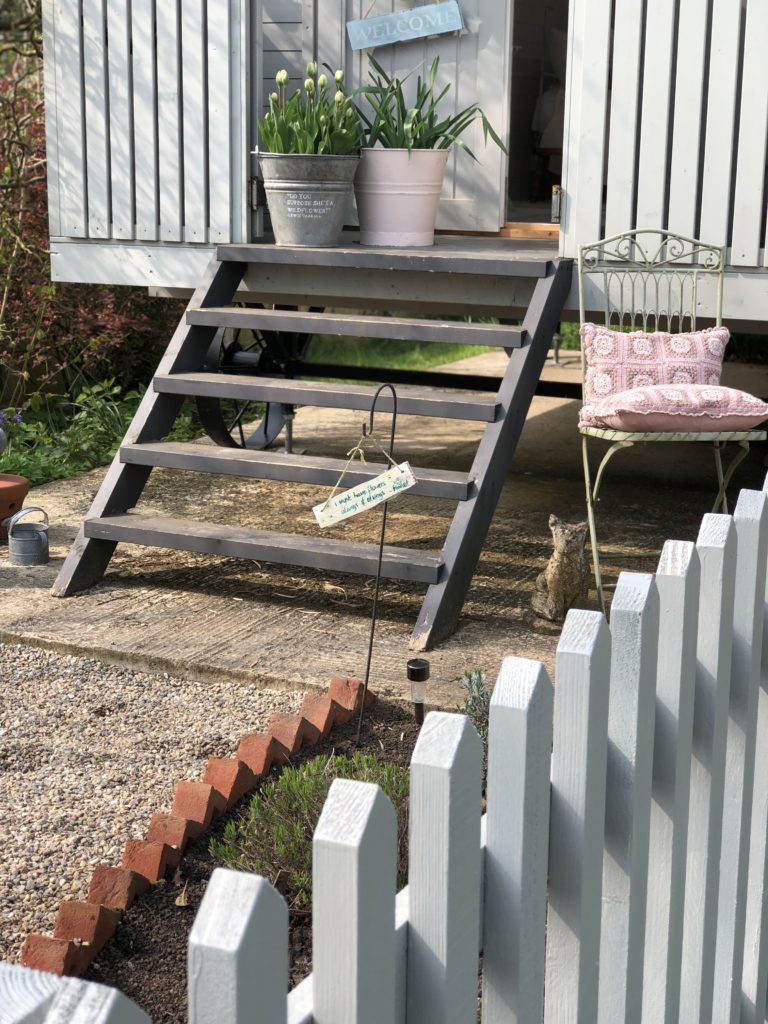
199, 617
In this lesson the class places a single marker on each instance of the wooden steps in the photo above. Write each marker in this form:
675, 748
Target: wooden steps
358, 325
284, 548
267, 465
410, 400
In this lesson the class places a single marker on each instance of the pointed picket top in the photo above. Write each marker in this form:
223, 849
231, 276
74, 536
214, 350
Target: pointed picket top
716, 548
631, 720
25, 995
677, 582
84, 1002
444, 871
577, 818
238, 952
354, 875
517, 839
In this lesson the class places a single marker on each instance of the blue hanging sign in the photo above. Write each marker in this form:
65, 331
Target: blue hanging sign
428, 20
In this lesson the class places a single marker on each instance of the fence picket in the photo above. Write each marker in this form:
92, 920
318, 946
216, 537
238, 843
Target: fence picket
238, 952
677, 581
83, 1002
751, 523
354, 880
517, 835
26, 995
716, 547
444, 871
755, 968
577, 819
629, 773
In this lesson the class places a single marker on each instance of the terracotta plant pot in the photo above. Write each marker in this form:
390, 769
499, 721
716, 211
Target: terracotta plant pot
397, 194
13, 491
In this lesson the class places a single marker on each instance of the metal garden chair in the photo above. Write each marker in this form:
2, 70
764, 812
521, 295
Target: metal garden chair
649, 280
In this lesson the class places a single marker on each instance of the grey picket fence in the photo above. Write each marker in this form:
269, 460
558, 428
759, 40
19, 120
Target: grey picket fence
617, 875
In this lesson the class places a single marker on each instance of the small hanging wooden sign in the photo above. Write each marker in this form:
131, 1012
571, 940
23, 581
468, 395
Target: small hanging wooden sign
426, 20
365, 496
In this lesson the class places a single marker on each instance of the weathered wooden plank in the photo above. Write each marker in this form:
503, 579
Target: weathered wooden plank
677, 582
577, 819
753, 139
286, 548
195, 131
282, 38
724, 68
444, 871
266, 465
652, 175
751, 522
282, 10
354, 871
686, 125
716, 547
145, 142
238, 952
360, 326
123, 175
755, 967
26, 995
223, 117
625, 78
51, 116
631, 719
96, 86
413, 401
70, 122
169, 123
517, 838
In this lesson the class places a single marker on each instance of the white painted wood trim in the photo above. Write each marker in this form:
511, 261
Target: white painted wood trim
677, 581
163, 265
354, 869
145, 146
26, 995
751, 523
120, 120
223, 123
577, 819
751, 157
716, 547
69, 115
631, 718
169, 123
238, 952
84, 1002
195, 128
625, 76
96, 86
444, 873
51, 116
517, 839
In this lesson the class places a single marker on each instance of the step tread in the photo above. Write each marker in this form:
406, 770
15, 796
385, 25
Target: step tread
411, 400
317, 552
358, 326
269, 465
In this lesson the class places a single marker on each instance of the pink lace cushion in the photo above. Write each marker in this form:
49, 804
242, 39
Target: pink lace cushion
619, 361
676, 407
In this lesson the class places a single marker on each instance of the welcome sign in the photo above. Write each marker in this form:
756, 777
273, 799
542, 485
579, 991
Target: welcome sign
428, 20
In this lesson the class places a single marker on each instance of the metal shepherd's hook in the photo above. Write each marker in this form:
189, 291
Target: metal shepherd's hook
368, 432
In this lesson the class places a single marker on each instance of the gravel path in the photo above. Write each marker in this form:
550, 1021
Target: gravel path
88, 752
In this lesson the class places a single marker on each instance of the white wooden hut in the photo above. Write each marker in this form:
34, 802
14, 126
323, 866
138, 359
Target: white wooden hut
647, 113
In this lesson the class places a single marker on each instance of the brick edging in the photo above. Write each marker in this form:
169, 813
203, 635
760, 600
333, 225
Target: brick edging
83, 927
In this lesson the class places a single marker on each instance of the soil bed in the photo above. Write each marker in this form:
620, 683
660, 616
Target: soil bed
147, 958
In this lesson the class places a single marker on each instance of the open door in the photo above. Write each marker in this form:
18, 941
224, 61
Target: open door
476, 63
149, 121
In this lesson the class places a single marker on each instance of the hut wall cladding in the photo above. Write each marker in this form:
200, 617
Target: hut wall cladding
668, 122
147, 118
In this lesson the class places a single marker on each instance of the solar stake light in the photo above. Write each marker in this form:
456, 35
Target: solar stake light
418, 674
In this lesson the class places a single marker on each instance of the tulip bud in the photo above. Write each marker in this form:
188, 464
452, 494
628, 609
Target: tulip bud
309, 85
282, 78
338, 77
312, 68
339, 97
274, 97
322, 81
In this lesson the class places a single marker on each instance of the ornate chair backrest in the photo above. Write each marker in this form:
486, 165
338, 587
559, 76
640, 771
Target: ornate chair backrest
649, 280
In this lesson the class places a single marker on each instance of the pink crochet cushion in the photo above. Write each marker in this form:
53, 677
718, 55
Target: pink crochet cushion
677, 407
619, 361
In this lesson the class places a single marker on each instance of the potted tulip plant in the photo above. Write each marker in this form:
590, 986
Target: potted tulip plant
312, 138
13, 489
405, 150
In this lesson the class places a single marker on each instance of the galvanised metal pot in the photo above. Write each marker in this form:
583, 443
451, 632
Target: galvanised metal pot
397, 194
309, 196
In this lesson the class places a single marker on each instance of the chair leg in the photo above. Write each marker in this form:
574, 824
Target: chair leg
724, 479
592, 525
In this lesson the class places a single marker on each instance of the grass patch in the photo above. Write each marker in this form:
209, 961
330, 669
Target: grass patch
403, 355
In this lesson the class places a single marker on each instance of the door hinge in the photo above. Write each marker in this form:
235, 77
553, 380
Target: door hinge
257, 196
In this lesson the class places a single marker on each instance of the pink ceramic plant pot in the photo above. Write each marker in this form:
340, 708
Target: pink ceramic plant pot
13, 491
397, 194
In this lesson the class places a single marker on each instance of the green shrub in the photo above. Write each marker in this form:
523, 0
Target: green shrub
274, 838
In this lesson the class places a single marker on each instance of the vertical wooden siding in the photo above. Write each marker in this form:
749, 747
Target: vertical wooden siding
668, 123
148, 109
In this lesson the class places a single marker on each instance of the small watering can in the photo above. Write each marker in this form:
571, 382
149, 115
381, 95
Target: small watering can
27, 542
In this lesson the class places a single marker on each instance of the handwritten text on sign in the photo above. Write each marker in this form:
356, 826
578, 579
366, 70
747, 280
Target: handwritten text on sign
365, 496
428, 20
